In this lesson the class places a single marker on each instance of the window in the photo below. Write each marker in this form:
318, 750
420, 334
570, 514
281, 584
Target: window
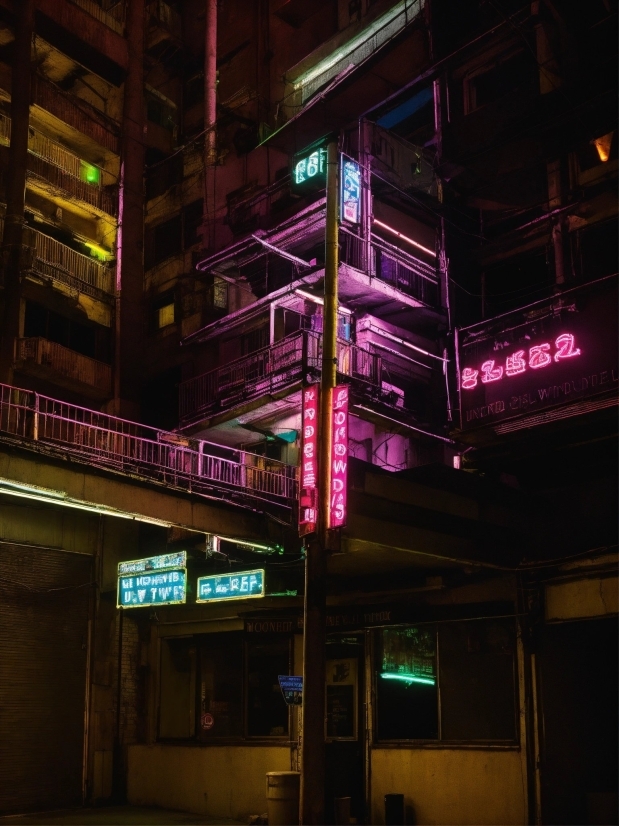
192, 221
84, 339
453, 682
216, 687
163, 241
165, 315
163, 310
517, 73
220, 294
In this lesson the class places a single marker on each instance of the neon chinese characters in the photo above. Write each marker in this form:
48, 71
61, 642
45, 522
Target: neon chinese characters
536, 358
339, 457
309, 461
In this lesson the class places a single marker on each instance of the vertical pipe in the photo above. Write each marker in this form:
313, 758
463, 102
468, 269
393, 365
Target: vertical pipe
210, 118
21, 81
315, 608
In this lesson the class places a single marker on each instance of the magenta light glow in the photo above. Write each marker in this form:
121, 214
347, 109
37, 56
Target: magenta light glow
339, 457
515, 364
308, 489
405, 238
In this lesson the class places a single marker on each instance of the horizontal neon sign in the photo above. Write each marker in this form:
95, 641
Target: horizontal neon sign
154, 563
242, 585
538, 357
161, 588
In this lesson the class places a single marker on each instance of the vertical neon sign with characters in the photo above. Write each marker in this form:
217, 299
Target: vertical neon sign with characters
339, 457
350, 189
308, 488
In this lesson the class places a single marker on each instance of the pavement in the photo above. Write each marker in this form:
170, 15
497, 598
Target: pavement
117, 816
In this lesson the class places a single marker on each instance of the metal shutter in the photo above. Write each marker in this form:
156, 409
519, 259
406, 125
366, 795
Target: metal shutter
44, 597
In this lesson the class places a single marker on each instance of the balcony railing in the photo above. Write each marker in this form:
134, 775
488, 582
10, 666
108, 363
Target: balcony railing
60, 263
66, 363
391, 265
80, 190
114, 18
109, 442
271, 369
82, 117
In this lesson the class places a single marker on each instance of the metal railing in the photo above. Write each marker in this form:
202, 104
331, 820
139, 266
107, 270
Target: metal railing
76, 188
114, 18
66, 362
391, 265
268, 370
109, 442
59, 262
82, 117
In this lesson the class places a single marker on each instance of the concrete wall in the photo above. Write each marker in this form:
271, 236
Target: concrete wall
447, 786
220, 781
582, 598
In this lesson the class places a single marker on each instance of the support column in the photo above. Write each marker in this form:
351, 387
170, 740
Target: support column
21, 82
315, 609
130, 320
210, 118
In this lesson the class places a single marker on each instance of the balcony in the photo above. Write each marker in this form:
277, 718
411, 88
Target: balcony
83, 117
55, 261
128, 447
392, 266
113, 18
54, 362
272, 370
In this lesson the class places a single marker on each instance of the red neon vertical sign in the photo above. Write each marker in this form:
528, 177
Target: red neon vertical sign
308, 488
339, 457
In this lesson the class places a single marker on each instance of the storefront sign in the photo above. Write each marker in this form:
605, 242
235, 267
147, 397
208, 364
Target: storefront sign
154, 563
292, 689
308, 488
241, 585
350, 189
159, 588
310, 168
339, 457
566, 355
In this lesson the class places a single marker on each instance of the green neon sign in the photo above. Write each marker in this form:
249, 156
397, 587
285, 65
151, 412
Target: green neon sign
310, 168
90, 174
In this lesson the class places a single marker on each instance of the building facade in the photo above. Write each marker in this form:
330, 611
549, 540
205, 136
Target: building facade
164, 315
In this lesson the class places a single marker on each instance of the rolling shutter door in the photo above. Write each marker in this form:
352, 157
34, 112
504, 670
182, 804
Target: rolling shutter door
44, 596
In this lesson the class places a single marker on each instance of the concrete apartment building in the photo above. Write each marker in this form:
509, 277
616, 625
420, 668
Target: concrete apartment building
164, 173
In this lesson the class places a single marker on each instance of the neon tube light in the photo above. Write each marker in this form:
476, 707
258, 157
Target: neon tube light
405, 238
318, 299
409, 678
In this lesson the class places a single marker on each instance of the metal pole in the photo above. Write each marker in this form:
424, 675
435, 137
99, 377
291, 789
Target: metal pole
312, 809
21, 81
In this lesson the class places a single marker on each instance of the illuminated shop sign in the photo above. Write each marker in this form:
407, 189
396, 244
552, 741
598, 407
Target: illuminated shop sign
310, 168
156, 588
308, 488
242, 585
154, 563
350, 189
339, 457
566, 356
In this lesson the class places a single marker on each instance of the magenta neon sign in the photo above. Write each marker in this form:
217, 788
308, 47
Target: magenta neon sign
339, 457
308, 489
538, 357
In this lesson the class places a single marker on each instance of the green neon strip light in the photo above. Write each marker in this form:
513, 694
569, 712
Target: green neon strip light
409, 678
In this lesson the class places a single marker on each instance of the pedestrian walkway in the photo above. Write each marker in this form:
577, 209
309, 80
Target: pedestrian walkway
116, 816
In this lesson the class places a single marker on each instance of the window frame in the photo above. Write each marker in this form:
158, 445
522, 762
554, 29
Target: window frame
440, 742
468, 81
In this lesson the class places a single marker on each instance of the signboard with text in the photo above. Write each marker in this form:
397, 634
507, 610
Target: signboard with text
153, 588
292, 689
564, 353
339, 457
308, 485
350, 191
241, 585
309, 168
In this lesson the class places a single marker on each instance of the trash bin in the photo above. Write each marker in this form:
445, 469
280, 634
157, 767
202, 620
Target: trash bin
394, 809
283, 798
342, 810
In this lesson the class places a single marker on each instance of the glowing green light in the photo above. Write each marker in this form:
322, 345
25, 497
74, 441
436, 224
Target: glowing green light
409, 678
89, 173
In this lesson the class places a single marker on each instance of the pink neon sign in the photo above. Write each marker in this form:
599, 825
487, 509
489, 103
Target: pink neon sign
339, 457
308, 489
539, 356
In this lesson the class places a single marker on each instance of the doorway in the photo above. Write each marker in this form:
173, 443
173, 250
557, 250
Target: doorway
345, 724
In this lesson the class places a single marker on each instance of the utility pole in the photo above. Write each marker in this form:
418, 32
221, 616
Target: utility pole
312, 809
21, 82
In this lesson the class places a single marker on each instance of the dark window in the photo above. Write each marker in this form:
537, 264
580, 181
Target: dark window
164, 175
40, 321
598, 250
516, 73
267, 714
453, 682
221, 686
192, 221
163, 241
161, 113
194, 91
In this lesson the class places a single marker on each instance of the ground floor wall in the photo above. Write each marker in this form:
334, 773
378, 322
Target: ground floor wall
442, 786
226, 781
